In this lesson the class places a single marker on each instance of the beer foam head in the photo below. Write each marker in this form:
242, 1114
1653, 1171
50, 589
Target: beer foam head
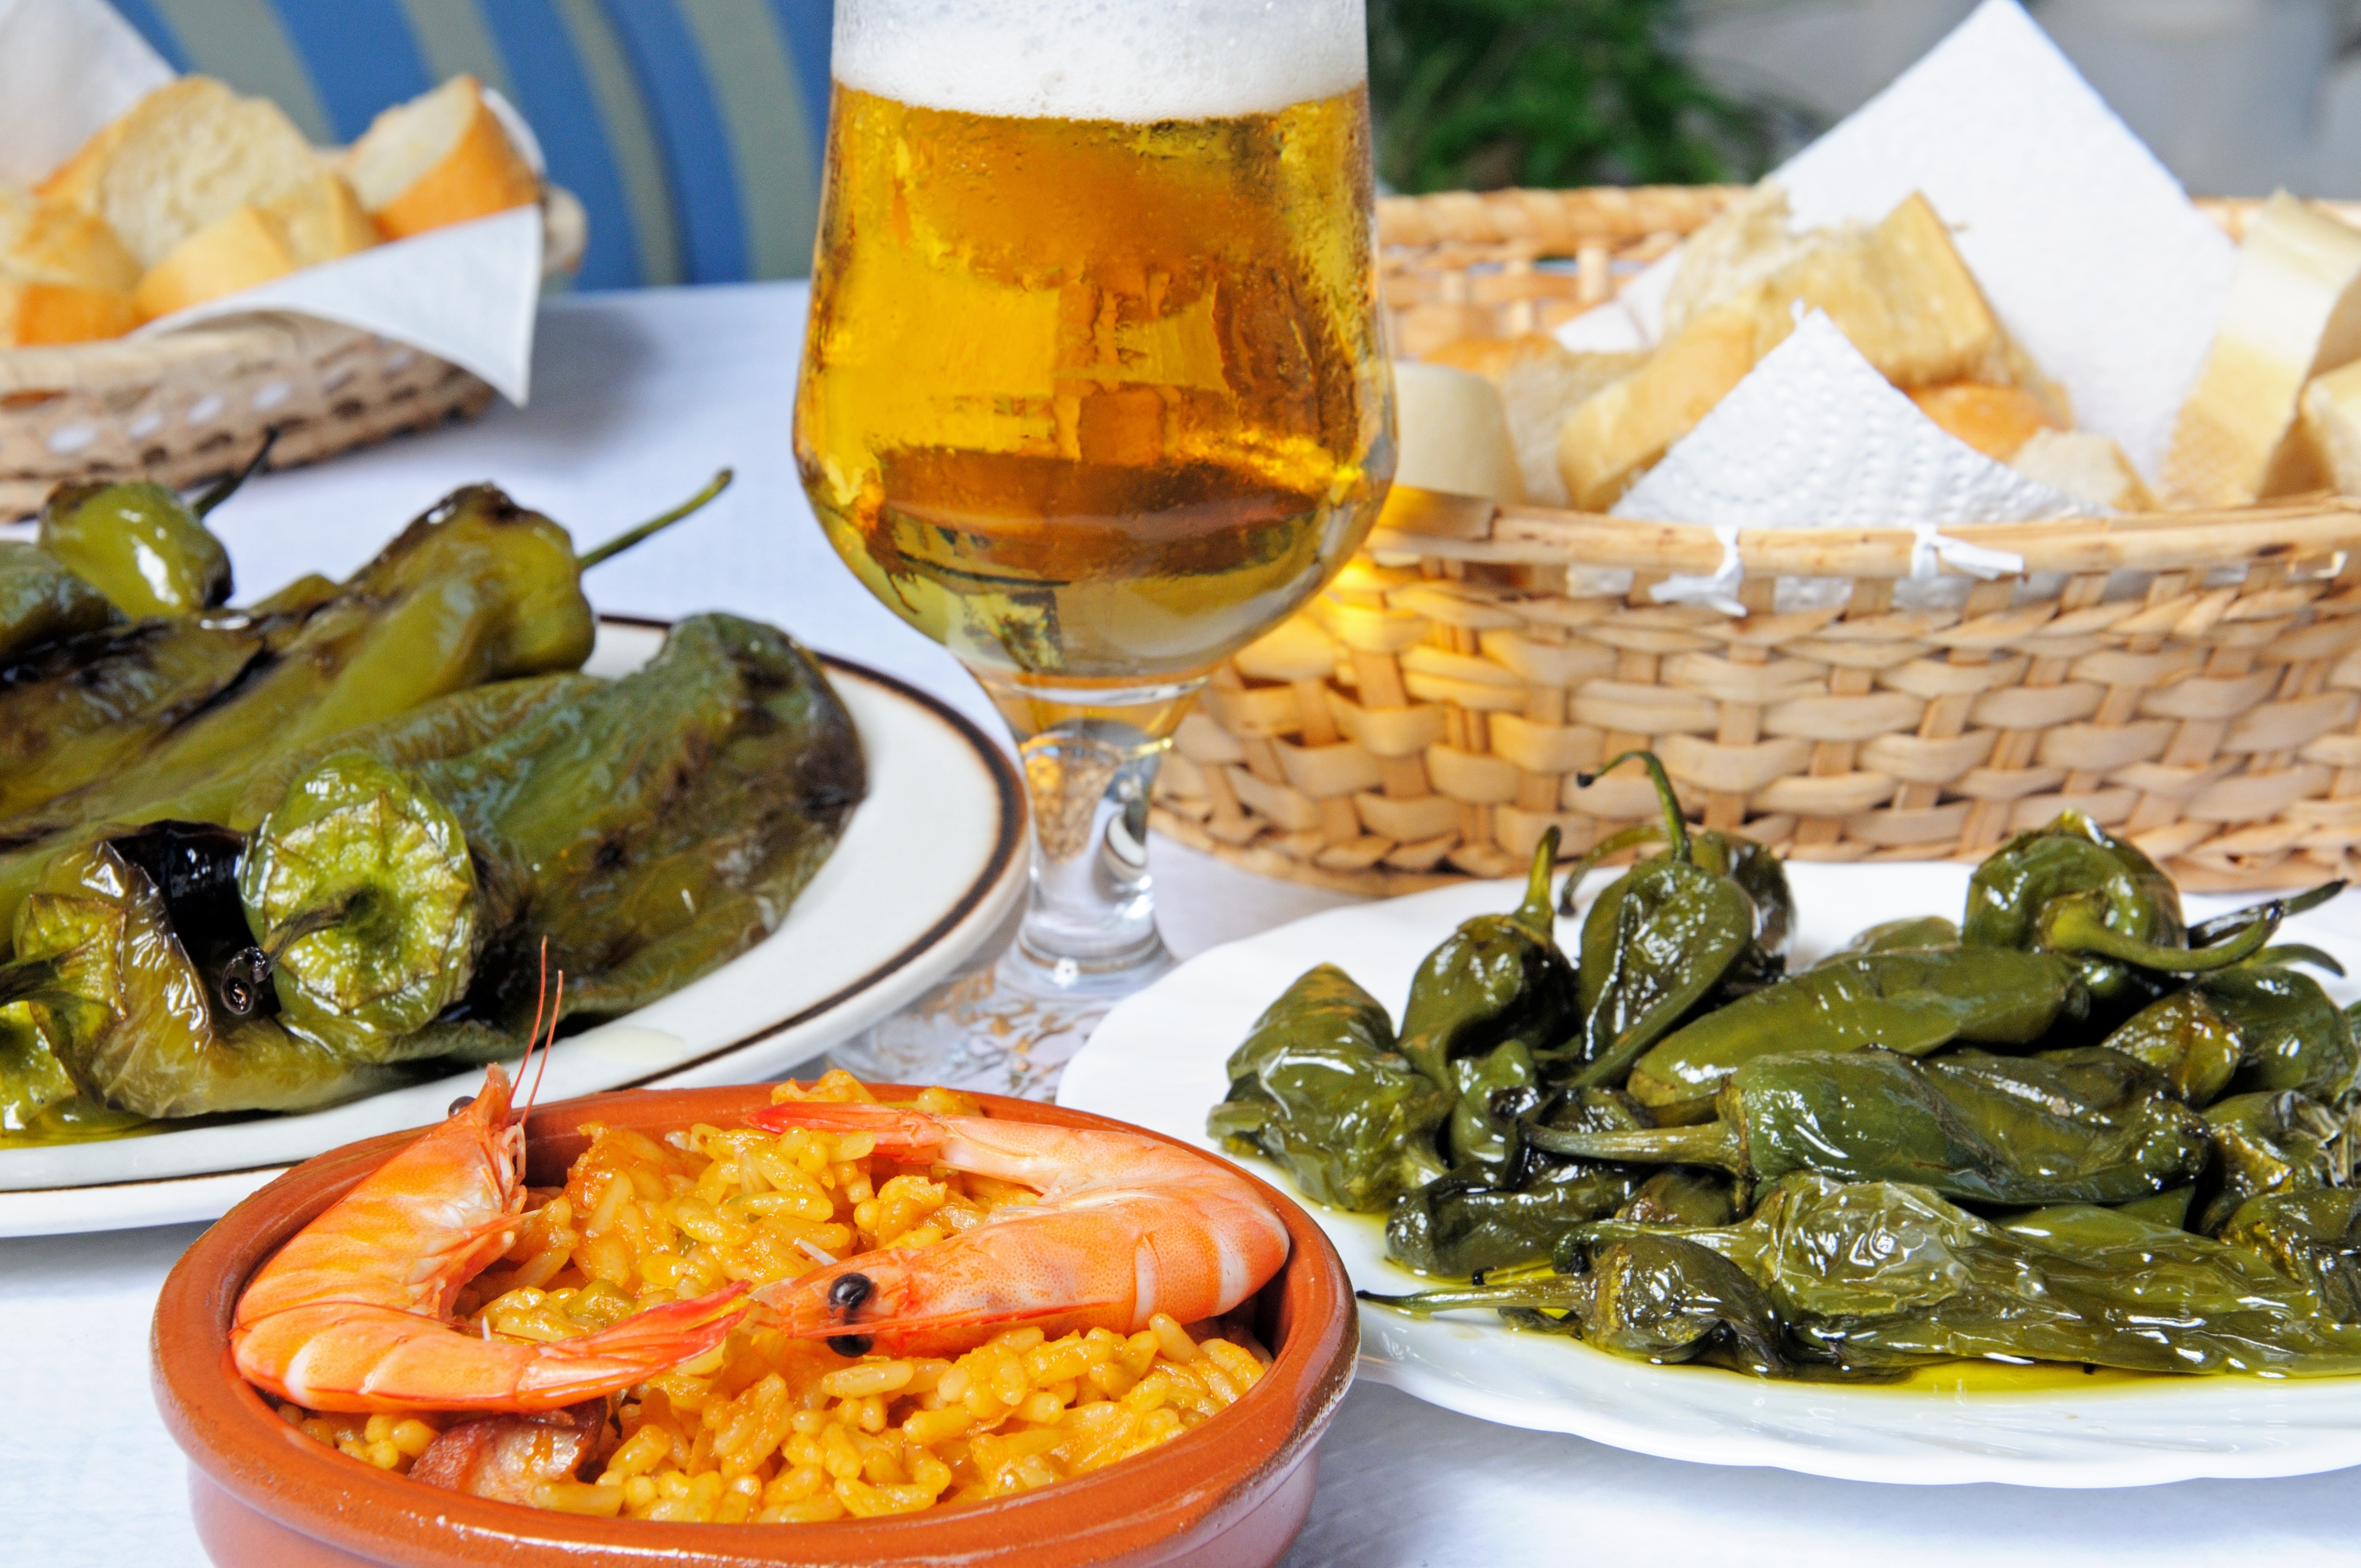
1101, 60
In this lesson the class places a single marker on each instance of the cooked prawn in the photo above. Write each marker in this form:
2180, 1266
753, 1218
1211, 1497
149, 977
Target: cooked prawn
1126, 1227
354, 1314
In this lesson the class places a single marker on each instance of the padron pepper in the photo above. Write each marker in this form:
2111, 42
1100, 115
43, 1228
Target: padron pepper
1954, 1124
1912, 931
638, 832
1495, 977
2073, 888
148, 1034
1677, 929
1318, 1087
2256, 1026
1877, 1278
1481, 1218
42, 602
1911, 1001
1753, 868
2273, 1141
137, 544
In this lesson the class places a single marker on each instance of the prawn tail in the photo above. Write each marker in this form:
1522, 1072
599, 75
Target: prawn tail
637, 1348
900, 1132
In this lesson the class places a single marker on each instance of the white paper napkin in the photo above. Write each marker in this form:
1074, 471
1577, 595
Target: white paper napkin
2086, 246
67, 67
466, 293
1814, 437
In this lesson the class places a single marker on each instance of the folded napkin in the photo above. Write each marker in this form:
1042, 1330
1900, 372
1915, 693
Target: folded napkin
2087, 249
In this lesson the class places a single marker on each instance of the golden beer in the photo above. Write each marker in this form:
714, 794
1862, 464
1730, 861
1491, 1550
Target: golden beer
1094, 402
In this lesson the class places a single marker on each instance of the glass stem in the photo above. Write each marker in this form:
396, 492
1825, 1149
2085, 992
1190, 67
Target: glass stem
1091, 921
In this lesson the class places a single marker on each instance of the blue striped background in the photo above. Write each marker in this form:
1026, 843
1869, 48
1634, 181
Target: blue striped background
691, 129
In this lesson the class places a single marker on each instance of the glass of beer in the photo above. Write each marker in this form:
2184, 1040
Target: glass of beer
1094, 394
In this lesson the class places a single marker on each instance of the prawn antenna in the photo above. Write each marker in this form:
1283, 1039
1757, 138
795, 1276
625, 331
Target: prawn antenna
549, 1042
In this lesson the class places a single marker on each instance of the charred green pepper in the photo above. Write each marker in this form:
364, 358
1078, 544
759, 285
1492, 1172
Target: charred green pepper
2311, 1236
2273, 1141
1675, 930
42, 602
2253, 1028
1877, 1278
1949, 1124
1911, 1001
1753, 868
1318, 1087
137, 544
1497, 978
1480, 1217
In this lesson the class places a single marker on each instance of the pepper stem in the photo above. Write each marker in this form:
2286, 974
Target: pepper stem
1676, 831
1621, 840
2077, 924
657, 524
29, 977
1535, 914
1715, 1144
227, 486
1549, 1292
2207, 932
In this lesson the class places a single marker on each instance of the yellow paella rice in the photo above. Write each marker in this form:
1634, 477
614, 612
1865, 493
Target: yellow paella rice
773, 1429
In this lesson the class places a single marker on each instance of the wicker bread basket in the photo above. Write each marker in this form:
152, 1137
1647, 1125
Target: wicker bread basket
2190, 679
186, 406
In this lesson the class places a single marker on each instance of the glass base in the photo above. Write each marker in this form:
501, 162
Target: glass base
1007, 1029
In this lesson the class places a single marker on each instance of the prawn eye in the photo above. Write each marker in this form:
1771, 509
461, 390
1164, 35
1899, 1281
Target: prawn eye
849, 1345
849, 1292
460, 1105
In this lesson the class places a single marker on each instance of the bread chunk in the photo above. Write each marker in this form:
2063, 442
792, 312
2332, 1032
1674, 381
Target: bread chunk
1995, 421
2085, 464
2294, 313
2331, 427
63, 276
184, 157
443, 157
1541, 382
317, 222
1899, 291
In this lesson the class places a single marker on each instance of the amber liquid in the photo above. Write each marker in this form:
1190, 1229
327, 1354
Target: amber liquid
1093, 405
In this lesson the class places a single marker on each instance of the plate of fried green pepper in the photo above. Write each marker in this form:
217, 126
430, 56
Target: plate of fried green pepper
2026, 1171
276, 877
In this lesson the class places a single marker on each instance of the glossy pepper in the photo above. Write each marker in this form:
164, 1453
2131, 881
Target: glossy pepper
1874, 1115
147, 1034
1877, 1278
1481, 1218
2252, 1027
1318, 1087
1911, 1001
137, 544
1753, 868
2273, 1141
2313, 1238
657, 826
477, 590
2073, 888
1675, 931
41, 601
1496, 979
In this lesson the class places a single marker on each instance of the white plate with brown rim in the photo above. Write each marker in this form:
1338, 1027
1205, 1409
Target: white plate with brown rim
929, 866
1158, 1059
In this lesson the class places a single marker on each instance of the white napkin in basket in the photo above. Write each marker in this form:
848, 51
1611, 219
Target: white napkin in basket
2086, 246
67, 67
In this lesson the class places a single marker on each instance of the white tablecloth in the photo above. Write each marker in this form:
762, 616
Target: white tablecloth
638, 398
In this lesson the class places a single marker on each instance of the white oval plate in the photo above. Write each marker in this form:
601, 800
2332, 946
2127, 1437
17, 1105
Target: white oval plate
1158, 1060
931, 863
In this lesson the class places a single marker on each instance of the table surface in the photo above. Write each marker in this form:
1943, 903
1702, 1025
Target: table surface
637, 399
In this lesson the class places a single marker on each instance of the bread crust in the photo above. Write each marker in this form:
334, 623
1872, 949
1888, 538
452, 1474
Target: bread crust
239, 251
482, 173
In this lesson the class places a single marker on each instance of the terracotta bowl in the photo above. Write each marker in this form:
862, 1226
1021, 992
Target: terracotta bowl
1232, 1491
